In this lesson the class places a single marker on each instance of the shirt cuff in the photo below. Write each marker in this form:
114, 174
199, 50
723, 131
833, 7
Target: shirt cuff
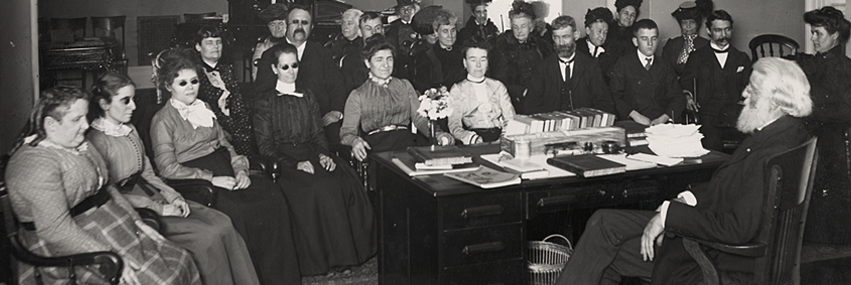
688, 197
663, 211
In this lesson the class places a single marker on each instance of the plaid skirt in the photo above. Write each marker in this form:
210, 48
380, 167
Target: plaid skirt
160, 263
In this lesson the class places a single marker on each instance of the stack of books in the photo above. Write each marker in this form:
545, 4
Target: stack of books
559, 120
587, 165
635, 132
435, 160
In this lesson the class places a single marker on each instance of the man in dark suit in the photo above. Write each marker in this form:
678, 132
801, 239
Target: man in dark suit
316, 69
567, 80
719, 72
353, 67
645, 88
594, 43
728, 209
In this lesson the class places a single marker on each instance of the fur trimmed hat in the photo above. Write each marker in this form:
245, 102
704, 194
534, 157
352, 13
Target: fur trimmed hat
598, 14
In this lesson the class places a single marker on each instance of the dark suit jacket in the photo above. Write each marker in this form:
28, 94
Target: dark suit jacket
606, 59
729, 207
319, 72
704, 67
672, 48
652, 93
589, 89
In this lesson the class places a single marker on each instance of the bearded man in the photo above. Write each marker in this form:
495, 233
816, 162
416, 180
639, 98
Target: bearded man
567, 80
726, 210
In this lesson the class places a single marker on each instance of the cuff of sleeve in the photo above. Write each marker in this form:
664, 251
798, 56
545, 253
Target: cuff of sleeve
689, 197
207, 175
663, 212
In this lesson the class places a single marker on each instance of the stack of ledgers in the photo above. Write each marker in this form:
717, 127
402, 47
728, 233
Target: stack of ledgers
674, 140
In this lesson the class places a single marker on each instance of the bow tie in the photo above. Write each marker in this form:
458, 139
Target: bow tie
381, 82
566, 61
719, 51
209, 69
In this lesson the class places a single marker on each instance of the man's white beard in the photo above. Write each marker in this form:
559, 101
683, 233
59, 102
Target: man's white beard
751, 118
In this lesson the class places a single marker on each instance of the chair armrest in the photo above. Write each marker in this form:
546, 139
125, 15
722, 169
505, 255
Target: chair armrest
110, 264
266, 165
198, 190
341, 150
150, 218
752, 249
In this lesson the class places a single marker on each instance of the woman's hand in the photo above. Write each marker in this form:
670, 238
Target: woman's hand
181, 205
226, 182
128, 275
327, 162
359, 150
242, 180
305, 166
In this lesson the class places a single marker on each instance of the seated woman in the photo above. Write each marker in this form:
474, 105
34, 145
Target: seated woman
57, 185
440, 65
220, 90
383, 107
481, 107
333, 221
218, 250
189, 143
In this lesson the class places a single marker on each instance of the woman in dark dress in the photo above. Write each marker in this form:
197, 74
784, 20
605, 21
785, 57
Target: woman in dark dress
220, 90
383, 107
333, 221
188, 143
620, 32
828, 72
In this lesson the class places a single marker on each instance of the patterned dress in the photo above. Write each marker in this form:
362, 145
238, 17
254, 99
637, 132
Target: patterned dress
218, 250
45, 181
237, 121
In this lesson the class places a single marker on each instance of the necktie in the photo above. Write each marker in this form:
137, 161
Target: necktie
688, 47
649, 63
595, 51
567, 73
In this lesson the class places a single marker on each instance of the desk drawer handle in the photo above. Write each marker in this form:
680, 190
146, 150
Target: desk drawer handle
483, 248
483, 211
557, 200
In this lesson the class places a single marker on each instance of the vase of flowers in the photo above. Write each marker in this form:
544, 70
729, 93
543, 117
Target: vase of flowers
434, 105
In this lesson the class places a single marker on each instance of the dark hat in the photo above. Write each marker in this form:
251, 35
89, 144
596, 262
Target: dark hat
693, 10
598, 14
478, 2
520, 7
277, 11
619, 4
422, 20
403, 3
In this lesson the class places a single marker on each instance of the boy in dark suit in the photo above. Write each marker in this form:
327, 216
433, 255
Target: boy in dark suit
645, 88
567, 80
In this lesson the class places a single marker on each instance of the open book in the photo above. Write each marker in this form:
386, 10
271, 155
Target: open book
486, 177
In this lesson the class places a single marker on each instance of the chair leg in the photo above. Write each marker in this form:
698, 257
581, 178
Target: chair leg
710, 273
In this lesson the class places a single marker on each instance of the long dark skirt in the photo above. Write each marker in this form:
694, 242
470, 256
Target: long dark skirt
830, 206
261, 215
333, 220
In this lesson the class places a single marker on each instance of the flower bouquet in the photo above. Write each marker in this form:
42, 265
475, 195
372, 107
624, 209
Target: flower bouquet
434, 105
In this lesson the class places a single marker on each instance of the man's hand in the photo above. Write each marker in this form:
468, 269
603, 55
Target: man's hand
331, 117
305, 166
242, 180
639, 118
653, 231
327, 162
359, 150
660, 120
691, 104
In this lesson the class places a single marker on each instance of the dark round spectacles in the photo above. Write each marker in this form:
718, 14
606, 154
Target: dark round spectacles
285, 66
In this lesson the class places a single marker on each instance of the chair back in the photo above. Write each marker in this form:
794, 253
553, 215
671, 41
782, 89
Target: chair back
77, 25
789, 178
770, 45
195, 18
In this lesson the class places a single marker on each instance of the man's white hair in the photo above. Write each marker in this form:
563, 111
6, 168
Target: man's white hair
785, 84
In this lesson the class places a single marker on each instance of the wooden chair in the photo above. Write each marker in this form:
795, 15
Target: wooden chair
105, 27
109, 264
777, 247
195, 18
770, 45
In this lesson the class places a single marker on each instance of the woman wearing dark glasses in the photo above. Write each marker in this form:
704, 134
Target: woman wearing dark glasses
333, 221
189, 143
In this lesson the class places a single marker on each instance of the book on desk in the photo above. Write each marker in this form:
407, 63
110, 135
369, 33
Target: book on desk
440, 155
485, 177
587, 165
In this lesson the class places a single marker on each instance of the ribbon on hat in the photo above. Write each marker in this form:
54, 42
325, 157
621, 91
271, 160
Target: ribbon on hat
196, 113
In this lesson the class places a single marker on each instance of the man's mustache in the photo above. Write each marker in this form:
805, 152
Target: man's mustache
299, 30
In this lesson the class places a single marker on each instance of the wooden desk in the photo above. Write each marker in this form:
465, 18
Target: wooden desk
436, 230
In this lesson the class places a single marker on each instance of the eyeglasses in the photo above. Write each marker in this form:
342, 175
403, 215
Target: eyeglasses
285, 67
303, 22
183, 83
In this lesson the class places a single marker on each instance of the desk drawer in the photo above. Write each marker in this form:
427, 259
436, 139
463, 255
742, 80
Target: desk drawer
481, 245
508, 272
479, 211
591, 196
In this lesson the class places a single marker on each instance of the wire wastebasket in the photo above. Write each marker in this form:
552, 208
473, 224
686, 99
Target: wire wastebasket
547, 259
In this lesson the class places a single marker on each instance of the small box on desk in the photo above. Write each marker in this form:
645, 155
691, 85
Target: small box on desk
526, 145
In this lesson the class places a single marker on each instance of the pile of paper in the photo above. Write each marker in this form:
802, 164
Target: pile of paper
674, 140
